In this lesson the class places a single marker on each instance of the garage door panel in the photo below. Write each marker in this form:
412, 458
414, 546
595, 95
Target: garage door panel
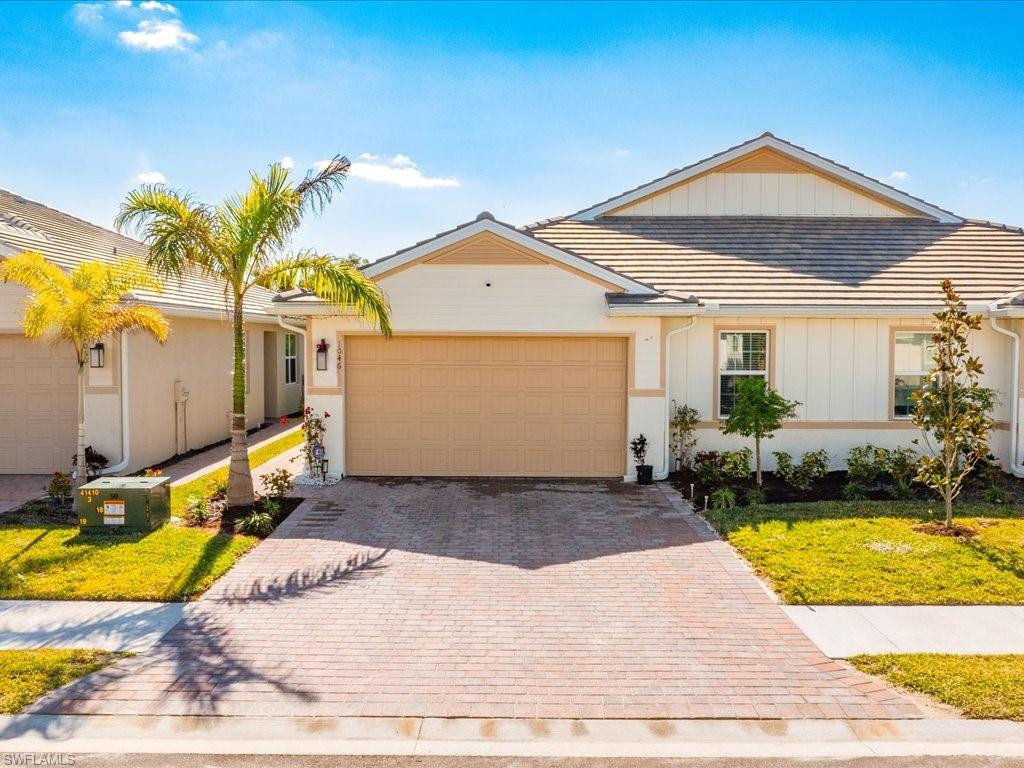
535, 406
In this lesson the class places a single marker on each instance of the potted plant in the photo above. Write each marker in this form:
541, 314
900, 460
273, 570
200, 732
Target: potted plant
644, 472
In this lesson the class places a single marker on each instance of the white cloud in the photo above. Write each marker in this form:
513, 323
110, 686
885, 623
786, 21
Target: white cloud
287, 162
974, 181
899, 176
153, 5
154, 35
399, 170
88, 13
123, 3
150, 177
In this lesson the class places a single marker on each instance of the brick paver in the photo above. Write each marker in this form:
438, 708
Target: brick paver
488, 599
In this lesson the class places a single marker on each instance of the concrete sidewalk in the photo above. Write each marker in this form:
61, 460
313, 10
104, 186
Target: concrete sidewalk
108, 626
218, 456
841, 631
799, 739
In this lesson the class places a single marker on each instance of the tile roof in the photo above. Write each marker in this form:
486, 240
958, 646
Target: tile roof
68, 241
802, 261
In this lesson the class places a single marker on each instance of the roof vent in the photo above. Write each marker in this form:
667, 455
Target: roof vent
485, 216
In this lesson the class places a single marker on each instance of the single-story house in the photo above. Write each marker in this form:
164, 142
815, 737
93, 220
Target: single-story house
144, 402
541, 350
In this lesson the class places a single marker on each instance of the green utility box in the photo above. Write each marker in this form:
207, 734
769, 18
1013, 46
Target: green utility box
124, 503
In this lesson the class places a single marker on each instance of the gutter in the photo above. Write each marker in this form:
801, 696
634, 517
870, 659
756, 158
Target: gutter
291, 328
666, 459
1015, 466
125, 413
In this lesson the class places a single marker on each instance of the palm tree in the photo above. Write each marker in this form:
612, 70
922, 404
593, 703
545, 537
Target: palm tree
81, 308
242, 241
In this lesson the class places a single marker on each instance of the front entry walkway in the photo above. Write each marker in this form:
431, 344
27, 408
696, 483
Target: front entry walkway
563, 599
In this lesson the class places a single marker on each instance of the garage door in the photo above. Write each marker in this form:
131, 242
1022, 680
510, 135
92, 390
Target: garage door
486, 406
38, 406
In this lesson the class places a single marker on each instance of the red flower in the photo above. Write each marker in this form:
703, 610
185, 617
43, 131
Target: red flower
283, 420
327, 415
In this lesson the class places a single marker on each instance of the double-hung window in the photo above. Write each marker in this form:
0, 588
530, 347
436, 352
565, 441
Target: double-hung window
290, 361
741, 355
911, 362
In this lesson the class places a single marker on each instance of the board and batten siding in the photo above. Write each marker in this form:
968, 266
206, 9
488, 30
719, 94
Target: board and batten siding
839, 369
759, 194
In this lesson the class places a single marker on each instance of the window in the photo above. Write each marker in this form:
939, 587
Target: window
911, 361
741, 354
290, 362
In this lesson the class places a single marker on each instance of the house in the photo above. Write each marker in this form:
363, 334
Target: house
540, 350
144, 402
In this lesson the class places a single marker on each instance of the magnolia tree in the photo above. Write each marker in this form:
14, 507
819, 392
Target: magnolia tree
758, 413
952, 408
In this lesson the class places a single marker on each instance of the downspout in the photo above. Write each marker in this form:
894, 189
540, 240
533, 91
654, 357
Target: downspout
125, 413
292, 328
1015, 466
666, 458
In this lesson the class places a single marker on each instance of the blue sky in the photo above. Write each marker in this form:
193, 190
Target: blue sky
526, 110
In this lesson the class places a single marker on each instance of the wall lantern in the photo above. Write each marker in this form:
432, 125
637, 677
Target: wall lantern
321, 355
96, 355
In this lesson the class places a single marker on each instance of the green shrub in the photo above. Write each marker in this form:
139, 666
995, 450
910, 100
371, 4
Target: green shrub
755, 496
736, 464
900, 491
865, 463
256, 523
723, 500
197, 511
272, 508
217, 488
900, 464
813, 467
278, 482
854, 491
996, 495
708, 467
59, 490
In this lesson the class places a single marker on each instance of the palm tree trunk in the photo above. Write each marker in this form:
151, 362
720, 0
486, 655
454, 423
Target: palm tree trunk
240, 490
81, 473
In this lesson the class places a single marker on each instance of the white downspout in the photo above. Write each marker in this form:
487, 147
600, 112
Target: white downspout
293, 329
125, 414
666, 457
1015, 466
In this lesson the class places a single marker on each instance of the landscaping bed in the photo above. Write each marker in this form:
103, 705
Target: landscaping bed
25, 676
876, 553
982, 687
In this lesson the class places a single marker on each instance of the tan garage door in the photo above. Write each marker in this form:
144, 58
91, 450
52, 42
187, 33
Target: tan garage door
38, 406
486, 406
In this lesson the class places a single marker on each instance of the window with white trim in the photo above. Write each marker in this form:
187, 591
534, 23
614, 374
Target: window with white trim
911, 361
741, 355
290, 360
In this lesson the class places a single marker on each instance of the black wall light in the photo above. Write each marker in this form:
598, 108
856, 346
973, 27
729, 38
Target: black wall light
321, 355
96, 355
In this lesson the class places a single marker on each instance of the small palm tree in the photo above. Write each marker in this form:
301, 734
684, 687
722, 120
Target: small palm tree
242, 241
81, 308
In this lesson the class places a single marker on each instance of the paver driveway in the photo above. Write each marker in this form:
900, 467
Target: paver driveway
487, 599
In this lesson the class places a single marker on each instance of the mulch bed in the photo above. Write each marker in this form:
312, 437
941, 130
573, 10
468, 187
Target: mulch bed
226, 522
956, 531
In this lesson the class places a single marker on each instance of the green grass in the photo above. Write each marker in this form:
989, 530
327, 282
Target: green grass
56, 562
867, 553
199, 487
979, 686
27, 675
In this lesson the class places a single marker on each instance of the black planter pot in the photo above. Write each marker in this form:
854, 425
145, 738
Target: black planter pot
644, 474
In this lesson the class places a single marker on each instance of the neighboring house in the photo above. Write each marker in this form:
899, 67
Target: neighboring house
541, 350
147, 402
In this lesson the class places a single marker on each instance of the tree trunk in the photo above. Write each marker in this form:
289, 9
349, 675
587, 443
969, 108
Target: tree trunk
757, 459
81, 470
948, 499
240, 490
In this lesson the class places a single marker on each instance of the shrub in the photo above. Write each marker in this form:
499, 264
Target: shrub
900, 464
758, 413
256, 523
865, 463
197, 511
736, 464
996, 495
278, 482
723, 500
900, 491
813, 467
638, 447
272, 508
755, 496
854, 491
217, 488
94, 462
708, 467
59, 490
682, 425
151, 472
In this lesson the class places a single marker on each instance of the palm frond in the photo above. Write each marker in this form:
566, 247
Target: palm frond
33, 271
138, 317
336, 281
180, 233
317, 188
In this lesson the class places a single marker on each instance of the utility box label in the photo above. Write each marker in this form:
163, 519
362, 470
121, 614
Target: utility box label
113, 512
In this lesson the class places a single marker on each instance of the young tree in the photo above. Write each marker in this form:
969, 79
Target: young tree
243, 241
952, 408
82, 308
758, 413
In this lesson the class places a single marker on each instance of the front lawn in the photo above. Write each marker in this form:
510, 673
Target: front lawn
56, 562
27, 675
979, 686
868, 553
